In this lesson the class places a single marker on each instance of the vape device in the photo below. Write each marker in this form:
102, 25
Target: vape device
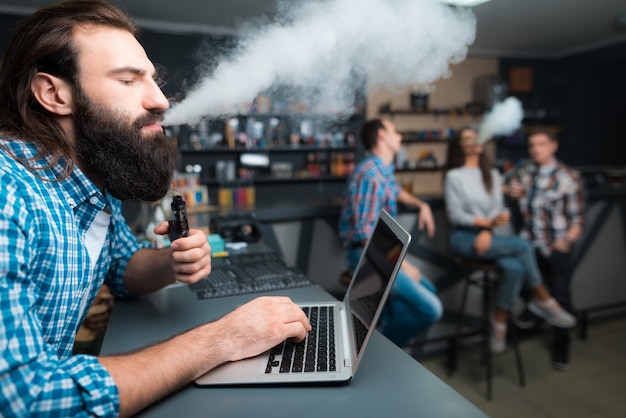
179, 225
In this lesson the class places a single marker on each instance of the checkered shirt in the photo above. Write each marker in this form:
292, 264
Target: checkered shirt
47, 283
371, 187
553, 202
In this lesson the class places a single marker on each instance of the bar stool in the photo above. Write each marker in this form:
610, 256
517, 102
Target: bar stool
484, 275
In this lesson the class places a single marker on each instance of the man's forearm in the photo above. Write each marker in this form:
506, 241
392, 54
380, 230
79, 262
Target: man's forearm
147, 375
148, 270
408, 199
573, 233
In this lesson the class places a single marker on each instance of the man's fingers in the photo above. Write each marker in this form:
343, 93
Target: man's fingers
295, 331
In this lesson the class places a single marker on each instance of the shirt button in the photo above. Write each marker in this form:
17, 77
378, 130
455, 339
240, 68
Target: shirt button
71, 201
94, 200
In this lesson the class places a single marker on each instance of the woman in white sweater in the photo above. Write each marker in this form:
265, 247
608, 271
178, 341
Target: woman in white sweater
474, 206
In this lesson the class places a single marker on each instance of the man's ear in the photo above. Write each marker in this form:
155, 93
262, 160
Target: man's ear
380, 135
53, 94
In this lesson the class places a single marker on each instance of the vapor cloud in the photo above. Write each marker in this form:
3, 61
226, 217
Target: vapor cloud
324, 48
504, 118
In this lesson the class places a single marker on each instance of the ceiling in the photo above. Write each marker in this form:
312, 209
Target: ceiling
512, 28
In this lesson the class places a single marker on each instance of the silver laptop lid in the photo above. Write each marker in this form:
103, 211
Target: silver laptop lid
373, 278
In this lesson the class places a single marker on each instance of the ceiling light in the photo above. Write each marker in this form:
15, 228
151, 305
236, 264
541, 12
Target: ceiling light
464, 3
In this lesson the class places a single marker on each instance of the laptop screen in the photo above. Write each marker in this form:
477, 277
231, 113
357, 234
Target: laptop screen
371, 277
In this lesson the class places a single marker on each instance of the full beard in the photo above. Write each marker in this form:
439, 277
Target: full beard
119, 157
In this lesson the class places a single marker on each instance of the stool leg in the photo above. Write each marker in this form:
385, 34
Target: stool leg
518, 357
582, 323
486, 331
454, 342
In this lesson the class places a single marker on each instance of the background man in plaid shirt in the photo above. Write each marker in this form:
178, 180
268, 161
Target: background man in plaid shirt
551, 202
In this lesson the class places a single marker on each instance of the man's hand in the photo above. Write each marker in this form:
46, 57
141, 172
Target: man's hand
482, 242
190, 256
503, 218
261, 324
562, 245
426, 220
515, 190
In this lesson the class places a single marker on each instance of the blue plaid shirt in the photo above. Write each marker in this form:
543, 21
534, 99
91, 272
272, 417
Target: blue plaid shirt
371, 187
47, 283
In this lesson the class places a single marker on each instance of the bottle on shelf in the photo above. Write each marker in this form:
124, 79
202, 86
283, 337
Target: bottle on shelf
350, 164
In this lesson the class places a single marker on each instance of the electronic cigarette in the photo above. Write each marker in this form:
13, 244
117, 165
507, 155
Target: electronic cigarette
179, 225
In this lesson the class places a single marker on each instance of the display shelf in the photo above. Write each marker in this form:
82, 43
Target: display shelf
430, 113
316, 164
276, 149
443, 141
418, 169
213, 182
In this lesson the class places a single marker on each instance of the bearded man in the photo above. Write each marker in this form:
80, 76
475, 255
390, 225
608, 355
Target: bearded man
80, 131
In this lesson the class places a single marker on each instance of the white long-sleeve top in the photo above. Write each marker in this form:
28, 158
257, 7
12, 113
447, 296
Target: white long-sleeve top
466, 197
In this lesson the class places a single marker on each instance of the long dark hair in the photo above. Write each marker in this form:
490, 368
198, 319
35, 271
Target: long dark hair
456, 158
43, 43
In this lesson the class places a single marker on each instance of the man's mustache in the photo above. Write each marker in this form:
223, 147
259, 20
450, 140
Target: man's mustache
150, 118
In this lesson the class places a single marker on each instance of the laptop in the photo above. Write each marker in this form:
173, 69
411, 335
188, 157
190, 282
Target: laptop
332, 357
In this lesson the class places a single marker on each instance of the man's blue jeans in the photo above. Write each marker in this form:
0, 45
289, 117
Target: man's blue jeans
411, 308
514, 257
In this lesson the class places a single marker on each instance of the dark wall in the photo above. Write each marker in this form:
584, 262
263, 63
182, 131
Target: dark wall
583, 94
594, 106
7, 22
185, 57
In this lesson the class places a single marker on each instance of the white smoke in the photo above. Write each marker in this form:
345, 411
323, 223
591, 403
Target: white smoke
504, 118
324, 48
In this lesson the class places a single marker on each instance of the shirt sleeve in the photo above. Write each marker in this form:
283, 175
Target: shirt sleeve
453, 196
34, 380
366, 197
575, 201
510, 175
498, 196
124, 246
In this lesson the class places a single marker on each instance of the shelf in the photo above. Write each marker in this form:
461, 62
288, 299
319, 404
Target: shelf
425, 141
279, 149
417, 170
291, 115
430, 113
299, 179
268, 180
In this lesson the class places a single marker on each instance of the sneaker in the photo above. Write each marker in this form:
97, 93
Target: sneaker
557, 365
552, 312
560, 354
497, 340
525, 320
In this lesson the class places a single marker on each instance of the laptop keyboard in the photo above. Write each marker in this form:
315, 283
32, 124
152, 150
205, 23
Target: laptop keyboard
241, 274
316, 353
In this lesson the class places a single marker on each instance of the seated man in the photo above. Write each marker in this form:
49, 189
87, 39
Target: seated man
413, 304
79, 132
